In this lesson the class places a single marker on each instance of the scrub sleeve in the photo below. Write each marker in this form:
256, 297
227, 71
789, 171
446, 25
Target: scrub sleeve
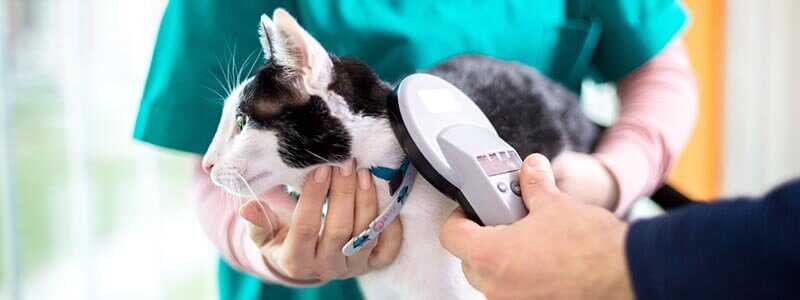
634, 31
567, 40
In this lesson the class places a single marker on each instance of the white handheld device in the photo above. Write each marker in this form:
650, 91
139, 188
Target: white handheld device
455, 147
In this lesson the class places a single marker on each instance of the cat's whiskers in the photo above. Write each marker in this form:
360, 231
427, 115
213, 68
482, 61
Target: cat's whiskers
260, 203
246, 61
232, 201
232, 73
231, 59
253, 64
220, 100
232, 66
219, 81
224, 76
225, 88
235, 181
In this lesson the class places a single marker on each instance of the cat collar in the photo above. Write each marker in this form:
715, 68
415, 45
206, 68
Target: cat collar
400, 182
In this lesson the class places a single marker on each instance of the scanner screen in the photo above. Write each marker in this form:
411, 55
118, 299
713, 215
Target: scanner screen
499, 162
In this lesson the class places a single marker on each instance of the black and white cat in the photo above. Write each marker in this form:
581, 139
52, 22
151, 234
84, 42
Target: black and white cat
306, 107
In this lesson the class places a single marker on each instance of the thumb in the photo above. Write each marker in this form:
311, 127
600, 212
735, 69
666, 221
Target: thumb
536, 180
459, 235
258, 218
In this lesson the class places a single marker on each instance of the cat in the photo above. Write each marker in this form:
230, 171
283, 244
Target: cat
305, 107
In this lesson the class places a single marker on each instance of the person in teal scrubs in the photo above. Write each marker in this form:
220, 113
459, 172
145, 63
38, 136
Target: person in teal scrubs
567, 40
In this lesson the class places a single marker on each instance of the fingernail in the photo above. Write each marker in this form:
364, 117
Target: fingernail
534, 160
321, 174
364, 179
346, 168
250, 211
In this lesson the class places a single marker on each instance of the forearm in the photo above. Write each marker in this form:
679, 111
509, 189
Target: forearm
736, 249
218, 215
658, 112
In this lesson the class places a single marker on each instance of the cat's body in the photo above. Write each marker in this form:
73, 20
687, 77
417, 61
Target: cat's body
302, 110
532, 113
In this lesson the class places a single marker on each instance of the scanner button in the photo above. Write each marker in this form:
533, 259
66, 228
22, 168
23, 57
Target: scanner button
515, 188
502, 187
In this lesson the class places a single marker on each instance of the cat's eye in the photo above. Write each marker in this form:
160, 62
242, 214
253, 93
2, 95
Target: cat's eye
241, 120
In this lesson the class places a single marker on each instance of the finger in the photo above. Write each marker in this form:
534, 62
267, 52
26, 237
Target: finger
459, 235
387, 246
366, 210
301, 240
366, 205
536, 180
273, 250
358, 264
258, 217
331, 263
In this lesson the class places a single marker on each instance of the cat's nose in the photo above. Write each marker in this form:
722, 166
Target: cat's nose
207, 166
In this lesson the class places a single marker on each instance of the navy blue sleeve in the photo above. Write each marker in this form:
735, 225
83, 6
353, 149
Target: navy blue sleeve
745, 248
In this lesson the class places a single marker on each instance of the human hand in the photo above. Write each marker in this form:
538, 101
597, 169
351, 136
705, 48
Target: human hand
295, 249
585, 178
563, 249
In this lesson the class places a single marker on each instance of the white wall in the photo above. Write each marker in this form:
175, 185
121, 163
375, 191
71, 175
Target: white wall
762, 86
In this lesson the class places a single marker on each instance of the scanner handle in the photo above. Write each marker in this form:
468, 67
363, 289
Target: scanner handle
487, 170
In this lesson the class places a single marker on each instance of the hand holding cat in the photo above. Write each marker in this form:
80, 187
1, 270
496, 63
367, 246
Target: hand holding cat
302, 249
586, 179
562, 249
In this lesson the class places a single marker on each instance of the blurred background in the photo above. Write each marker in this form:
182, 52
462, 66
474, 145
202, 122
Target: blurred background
87, 213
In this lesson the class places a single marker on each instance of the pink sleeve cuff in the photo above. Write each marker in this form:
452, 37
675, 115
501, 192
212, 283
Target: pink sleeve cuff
631, 167
658, 112
260, 268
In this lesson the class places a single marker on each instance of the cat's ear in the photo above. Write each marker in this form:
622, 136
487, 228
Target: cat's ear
266, 32
292, 47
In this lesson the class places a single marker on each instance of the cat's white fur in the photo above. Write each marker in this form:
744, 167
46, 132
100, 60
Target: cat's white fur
422, 269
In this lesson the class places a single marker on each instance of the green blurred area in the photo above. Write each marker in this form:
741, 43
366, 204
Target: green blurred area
61, 164
40, 172
43, 175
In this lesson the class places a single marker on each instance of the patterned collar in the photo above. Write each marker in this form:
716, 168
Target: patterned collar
401, 180
393, 176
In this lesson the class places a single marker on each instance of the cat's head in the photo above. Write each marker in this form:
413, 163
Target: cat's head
302, 108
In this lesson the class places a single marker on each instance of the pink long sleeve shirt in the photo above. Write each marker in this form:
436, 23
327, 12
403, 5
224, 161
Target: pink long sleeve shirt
658, 111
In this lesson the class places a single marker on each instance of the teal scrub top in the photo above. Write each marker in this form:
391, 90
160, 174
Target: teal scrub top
567, 40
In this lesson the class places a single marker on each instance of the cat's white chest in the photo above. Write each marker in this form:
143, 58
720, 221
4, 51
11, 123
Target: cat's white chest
422, 269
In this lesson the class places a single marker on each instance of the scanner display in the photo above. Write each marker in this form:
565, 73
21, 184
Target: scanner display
499, 162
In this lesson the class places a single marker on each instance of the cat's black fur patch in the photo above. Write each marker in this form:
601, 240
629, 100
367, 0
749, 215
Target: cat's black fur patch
307, 132
363, 91
531, 112
308, 135
270, 91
